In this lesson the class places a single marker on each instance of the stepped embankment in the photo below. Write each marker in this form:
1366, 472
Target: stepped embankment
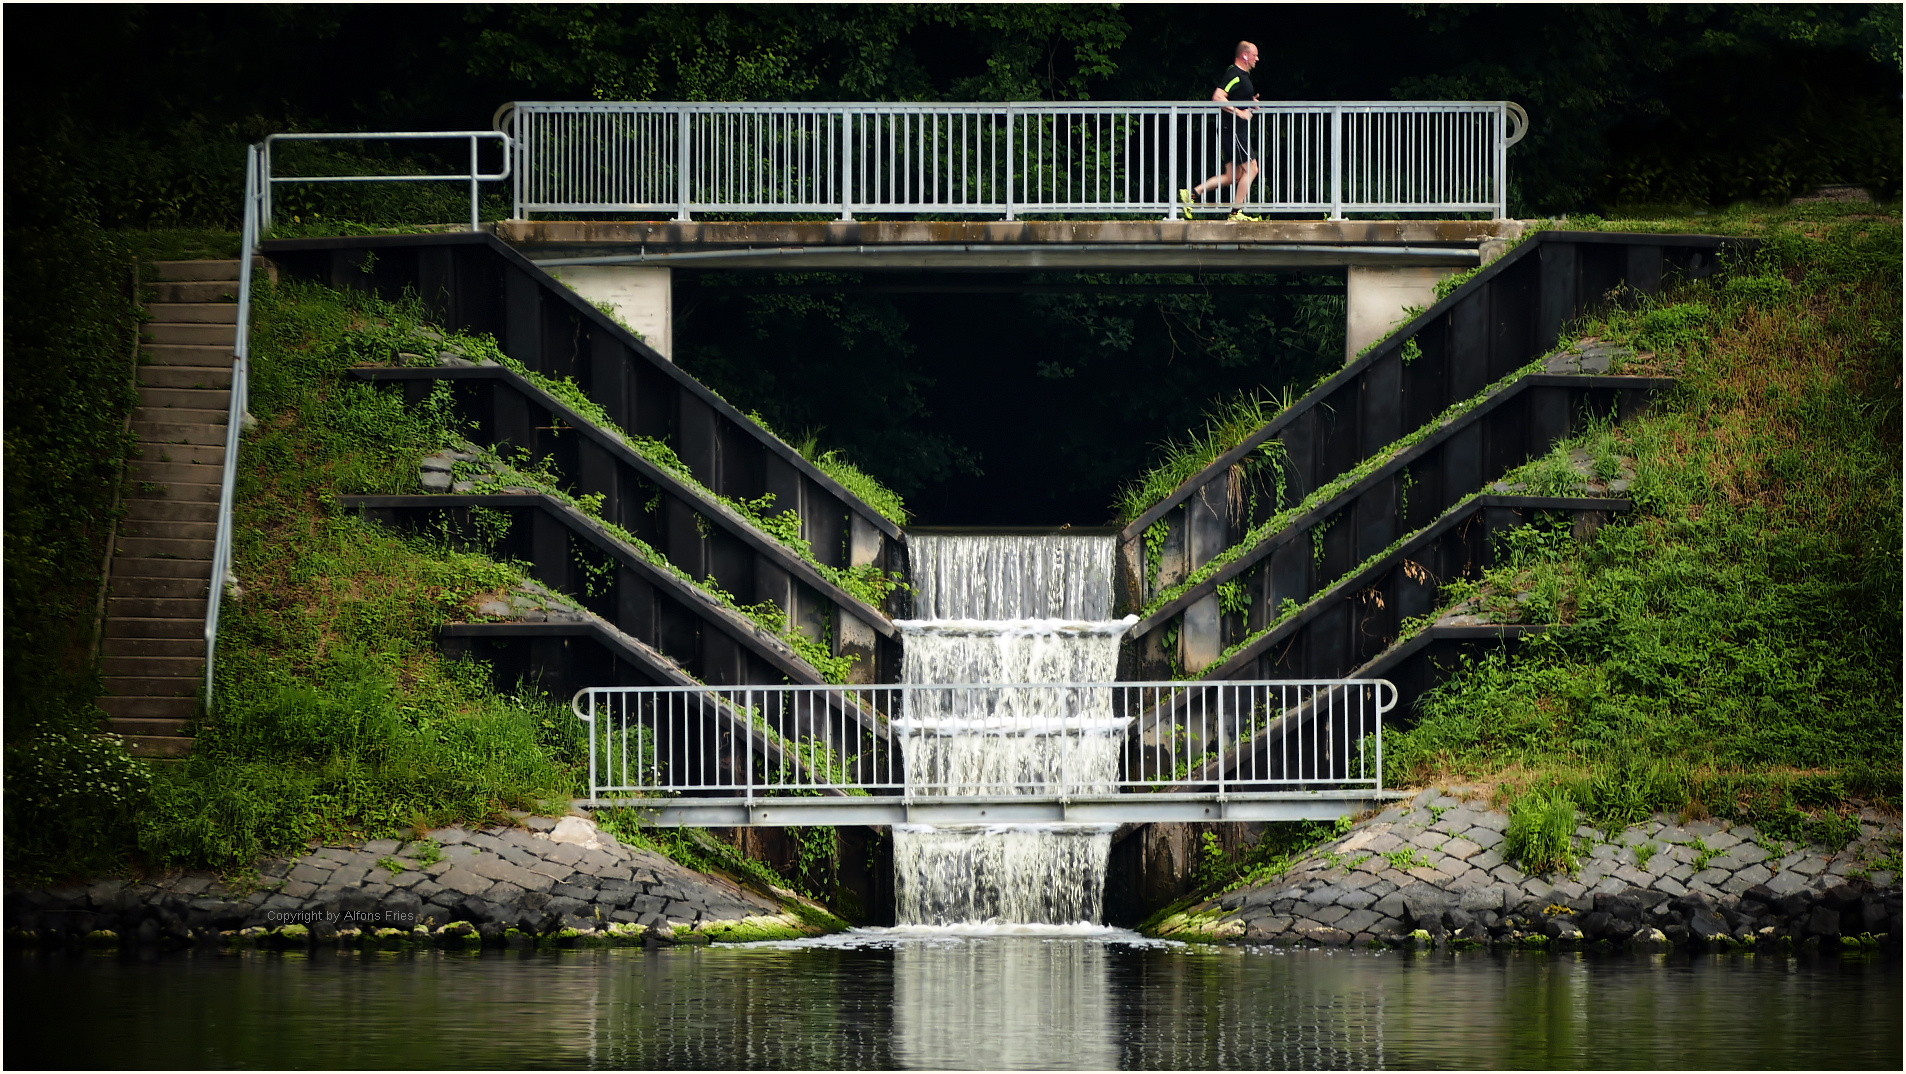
1434, 871
539, 882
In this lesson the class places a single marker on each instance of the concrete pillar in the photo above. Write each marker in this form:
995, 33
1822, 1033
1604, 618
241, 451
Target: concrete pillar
638, 295
1378, 296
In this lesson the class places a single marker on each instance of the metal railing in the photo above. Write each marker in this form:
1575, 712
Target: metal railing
985, 740
473, 176
1007, 159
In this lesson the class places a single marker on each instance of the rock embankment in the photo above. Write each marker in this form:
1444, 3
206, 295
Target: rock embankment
542, 881
1432, 871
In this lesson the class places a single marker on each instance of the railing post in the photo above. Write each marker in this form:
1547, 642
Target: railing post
1010, 113
475, 221
1172, 177
681, 165
847, 166
1221, 736
1336, 162
747, 767
1501, 125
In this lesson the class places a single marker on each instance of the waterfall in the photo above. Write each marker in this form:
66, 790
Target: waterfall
998, 609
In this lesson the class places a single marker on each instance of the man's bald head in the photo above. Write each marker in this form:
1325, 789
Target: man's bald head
1245, 56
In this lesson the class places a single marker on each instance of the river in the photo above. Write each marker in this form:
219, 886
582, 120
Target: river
1043, 998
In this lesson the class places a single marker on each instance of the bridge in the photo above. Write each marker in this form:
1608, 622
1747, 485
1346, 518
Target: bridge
988, 753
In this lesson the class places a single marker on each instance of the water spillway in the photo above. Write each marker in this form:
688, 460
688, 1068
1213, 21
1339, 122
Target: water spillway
998, 611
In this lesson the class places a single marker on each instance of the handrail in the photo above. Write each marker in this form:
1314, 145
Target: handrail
473, 176
257, 193
1006, 158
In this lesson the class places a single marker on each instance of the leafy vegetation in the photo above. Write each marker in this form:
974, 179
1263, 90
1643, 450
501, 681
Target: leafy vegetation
1229, 423
1731, 649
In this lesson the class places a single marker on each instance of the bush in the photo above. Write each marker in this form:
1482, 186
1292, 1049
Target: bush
1541, 835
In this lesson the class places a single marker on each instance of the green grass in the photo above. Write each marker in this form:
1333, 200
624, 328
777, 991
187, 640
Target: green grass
1732, 649
1230, 421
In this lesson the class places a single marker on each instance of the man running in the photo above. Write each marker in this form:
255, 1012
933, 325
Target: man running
1240, 166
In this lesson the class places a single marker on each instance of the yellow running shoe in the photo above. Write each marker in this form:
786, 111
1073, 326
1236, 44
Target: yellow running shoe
1240, 217
1184, 198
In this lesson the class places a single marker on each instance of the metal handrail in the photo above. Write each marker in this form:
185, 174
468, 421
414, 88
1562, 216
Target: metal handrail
1006, 158
473, 176
925, 740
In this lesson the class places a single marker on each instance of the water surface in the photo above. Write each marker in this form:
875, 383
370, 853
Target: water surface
1079, 998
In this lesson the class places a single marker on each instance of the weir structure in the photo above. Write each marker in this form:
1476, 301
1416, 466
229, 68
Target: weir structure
1267, 600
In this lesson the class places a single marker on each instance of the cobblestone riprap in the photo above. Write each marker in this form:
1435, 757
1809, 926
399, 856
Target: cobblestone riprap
542, 881
1431, 871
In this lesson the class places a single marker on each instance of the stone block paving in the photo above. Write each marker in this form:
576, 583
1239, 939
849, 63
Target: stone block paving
542, 879
1431, 870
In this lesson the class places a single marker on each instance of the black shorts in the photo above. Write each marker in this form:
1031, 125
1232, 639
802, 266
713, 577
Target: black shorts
1238, 135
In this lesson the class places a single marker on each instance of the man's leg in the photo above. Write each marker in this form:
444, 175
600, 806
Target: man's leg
1245, 177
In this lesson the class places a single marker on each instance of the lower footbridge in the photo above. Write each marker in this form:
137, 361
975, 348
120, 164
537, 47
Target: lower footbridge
990, 753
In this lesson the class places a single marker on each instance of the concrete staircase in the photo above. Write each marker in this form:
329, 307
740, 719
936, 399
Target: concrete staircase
152, 651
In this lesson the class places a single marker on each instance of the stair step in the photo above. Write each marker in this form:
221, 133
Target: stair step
177, 491
137, 586
115, 646
170, 432
157, 745
151, 567
199, 354
193, 312
164, 548
190, 473
152, 667
201, 335
156, 608
186, 376
148, 627
203, 454
188, 531
163, 399
200, 269
220, 291
153, 686
149, 708
147, 725
143, 510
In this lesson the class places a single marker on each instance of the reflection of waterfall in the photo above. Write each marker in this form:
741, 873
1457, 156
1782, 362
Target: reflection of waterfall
1008, 610
1004, 1004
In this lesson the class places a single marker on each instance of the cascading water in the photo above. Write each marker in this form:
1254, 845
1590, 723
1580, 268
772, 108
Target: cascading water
999, 609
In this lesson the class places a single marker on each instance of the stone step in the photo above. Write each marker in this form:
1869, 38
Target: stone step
199, 335
156, 608
191, 473
151, 567
195, 292
148, 627
187, 399
204, 269
152, 667
147, 726
114, 646
138, 586
186, 376
164, 548
192, 312
169, 432
177, 491
157, 745
152, 686
190, 531
202, 354
203, 454
171, 511
149, 708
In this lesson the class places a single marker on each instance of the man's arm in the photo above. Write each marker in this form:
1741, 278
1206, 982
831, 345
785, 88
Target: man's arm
1219, 95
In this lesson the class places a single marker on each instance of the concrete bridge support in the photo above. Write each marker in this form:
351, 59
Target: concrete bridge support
640, 296
1379, 295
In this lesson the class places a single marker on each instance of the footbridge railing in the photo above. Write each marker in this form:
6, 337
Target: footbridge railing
986, 753
1005, 159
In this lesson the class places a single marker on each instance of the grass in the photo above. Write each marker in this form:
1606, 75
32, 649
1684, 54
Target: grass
1230, 421
1733, 647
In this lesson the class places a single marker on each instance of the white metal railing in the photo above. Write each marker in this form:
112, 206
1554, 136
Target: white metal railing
473, 176
1005, 159
985, 740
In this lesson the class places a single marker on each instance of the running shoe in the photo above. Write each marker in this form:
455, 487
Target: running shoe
1240, 217
1184, 198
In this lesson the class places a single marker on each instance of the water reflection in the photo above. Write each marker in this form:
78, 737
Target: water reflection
894, 999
